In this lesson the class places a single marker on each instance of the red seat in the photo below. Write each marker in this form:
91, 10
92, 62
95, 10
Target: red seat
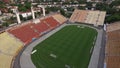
41, 27
51, 22
30, 31
25, 33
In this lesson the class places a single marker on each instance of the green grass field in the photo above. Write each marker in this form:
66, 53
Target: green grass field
70, 48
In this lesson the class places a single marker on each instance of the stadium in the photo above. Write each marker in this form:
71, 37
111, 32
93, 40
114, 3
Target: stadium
54, 41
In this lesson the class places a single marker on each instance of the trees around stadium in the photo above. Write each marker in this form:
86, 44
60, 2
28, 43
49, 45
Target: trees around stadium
2, 4
81, 7
59, 9
82, 1
89, 5
24, 7
8, 21
113, 13
5, 24
115, 3
113, 18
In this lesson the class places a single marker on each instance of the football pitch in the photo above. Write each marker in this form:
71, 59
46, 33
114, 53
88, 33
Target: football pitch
70, 47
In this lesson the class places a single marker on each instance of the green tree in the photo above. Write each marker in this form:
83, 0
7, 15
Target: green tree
115, 3
81, 7
2, 4
113, 18
62, 12
82, 1
27, 5
5, 24
102, 6
70, 8
89, 5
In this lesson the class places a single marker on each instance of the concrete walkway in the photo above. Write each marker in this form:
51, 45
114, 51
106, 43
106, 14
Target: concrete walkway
96, 52
102, 52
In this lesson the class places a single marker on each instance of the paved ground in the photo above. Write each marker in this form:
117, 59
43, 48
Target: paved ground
102, 52
96, 52
23, 60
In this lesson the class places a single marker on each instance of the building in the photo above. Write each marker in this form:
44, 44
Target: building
94, 0
0, 12
8, 1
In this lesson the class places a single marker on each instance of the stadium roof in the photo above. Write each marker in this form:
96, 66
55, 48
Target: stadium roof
88, 16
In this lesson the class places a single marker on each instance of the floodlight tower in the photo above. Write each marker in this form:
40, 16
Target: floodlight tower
33, 14
43, 9
17, 15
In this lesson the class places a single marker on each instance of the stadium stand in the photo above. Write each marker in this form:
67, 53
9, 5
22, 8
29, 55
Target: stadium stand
41, 27
82, 15
13, 39
88, 16
8, 44
61, 19
113, 26
79, 16
113, 46
51, 22
101, 18
33, 29
113, 62
5, 61
9, 48
25, 33
92, 17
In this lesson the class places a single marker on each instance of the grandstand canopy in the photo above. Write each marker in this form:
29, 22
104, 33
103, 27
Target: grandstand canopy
113, 26
88, 16
113, 46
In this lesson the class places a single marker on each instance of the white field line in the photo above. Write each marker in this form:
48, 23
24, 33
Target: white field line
34, 51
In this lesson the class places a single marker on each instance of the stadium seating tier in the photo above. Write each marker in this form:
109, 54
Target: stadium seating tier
113, 46
9, 48
5, 61
88, 16
13, 39
26, 33
61, 19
